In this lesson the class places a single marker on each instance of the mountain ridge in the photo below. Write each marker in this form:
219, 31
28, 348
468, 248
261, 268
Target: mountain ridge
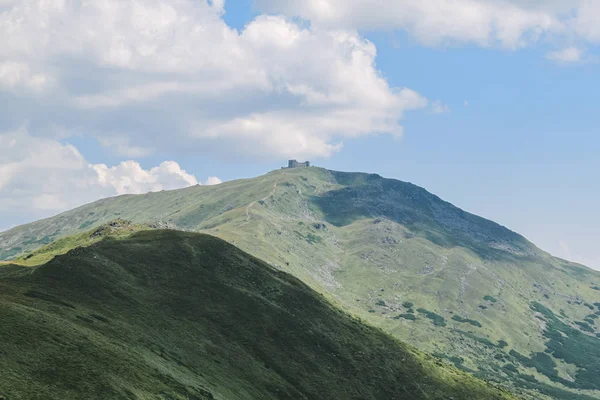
373, 246
179, 315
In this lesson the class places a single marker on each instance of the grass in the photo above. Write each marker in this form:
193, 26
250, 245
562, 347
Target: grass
116, 229
174, 315
373, 233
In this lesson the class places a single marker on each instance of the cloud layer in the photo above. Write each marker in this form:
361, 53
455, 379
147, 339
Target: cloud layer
156, 74
505, 23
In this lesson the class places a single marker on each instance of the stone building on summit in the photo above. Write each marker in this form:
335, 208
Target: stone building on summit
296, 164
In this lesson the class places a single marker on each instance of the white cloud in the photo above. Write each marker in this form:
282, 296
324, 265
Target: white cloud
15, 75
567, 55
213, 180
130, 177
41, 176
505, 23
171, 75
482, 22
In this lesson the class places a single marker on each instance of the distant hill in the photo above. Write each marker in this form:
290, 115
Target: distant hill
173, 315
458, 286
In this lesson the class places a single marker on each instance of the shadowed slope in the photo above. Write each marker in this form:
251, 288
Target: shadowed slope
173, 315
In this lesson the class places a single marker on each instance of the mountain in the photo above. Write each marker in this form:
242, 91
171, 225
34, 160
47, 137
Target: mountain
453, 284
176, 315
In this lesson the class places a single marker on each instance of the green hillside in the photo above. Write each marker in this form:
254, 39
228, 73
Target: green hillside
470, 291
174, 315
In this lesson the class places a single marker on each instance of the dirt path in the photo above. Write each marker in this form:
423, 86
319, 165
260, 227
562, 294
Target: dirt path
271, 193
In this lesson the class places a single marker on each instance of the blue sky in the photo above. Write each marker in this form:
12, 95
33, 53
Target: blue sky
495, 116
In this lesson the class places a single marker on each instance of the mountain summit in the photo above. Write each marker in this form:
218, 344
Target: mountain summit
453, 284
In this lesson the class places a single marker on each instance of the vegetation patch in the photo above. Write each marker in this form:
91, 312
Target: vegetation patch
457, 361
86, 224
410, 317
573, 347
483, 341
437, 320
310, 238
584, 326
490, 298
466, 320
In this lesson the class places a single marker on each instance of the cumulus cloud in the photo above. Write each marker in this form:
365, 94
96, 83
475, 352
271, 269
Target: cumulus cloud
172, 75
505, 23
482, 22
42, 176
213, 180
18, 76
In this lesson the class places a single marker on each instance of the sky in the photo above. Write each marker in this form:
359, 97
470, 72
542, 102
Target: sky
492, 105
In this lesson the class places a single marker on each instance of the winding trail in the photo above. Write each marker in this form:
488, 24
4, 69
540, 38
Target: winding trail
271, 193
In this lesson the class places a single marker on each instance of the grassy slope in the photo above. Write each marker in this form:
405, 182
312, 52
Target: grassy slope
174, 315
372, 244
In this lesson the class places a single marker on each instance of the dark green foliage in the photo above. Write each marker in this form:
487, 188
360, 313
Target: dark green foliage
178, 316
380, 303
409, 317
544, 364
502, 344
407, 304
86, 224
562, 312
483, 307
574, 347
596, 287
490, 298
585, 326
469, 321
511, 368
525, 361
457, 361
10, 253
588, 305
483, 341
527, 378
310, 238
438, 320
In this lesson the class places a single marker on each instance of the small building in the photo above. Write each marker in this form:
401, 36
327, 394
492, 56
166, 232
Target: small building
296, 164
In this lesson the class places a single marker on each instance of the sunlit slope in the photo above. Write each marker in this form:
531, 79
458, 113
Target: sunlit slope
174, 315
451, 283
